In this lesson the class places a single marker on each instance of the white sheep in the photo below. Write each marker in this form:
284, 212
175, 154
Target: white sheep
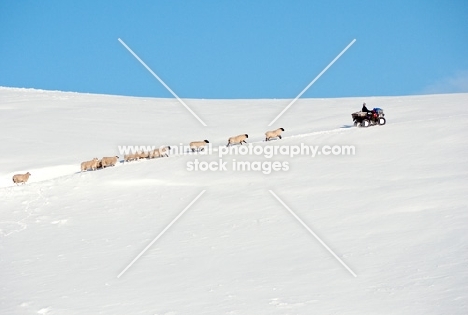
144, 155
21, 178
198, 145
132, 156
237, 139
109, 161
162, 151
93, 164
273, 134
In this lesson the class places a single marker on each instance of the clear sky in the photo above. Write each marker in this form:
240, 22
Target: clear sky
236, 49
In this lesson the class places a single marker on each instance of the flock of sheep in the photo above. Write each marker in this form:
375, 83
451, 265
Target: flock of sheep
95, 163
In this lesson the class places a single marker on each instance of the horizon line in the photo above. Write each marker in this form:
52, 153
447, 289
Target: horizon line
209, 98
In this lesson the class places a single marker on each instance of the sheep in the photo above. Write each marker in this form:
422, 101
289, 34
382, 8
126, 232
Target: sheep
162, 151
153, 154
198, 145
144, 155
21, 178
273, 134
93, 164
131, 157
109, 161
99, 164
237, 139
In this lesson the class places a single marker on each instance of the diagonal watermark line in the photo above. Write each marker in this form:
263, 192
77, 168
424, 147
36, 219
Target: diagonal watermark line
313, 81
162, 82
312, 232
161, 234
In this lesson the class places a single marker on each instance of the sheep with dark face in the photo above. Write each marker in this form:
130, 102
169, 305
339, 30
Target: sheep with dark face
273, 134
198, 145
237, 139
21, 178
93, 164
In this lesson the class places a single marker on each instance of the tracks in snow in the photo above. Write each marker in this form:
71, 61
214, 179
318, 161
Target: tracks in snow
64, 171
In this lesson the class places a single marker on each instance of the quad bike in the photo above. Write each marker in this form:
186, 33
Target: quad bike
366, 119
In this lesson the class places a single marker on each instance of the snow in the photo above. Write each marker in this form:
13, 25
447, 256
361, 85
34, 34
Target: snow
395, 212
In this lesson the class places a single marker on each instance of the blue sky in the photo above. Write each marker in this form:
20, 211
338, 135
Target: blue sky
236, 49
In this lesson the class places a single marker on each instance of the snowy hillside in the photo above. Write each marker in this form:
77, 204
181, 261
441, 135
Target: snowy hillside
395, 211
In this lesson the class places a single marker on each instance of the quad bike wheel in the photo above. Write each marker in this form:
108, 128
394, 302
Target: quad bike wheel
382, 121
365, 123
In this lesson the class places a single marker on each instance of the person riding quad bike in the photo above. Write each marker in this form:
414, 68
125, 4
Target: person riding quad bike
371, 114
364, 108
367, 117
